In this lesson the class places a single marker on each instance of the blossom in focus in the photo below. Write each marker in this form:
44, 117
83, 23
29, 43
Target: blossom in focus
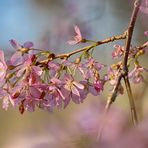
71, 90
55, 97
93, 88
76, 39
3, 66
92, 68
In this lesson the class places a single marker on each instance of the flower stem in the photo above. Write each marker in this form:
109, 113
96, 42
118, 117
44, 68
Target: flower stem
131, 101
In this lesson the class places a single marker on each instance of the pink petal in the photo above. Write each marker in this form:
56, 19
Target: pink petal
16, 59
93, 91
146, 33
35, 92
2, 56
77, 30
14, 44
75, 91
80, 86
72, 42
28, 44
37, 70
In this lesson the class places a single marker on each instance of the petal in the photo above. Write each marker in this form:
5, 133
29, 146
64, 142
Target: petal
16, 59
75, 91
66, 101
14, 44
93, 91
72, 42
63, 97
28, 44
65, 92
146, 33
75, 98
37, 70
20, 72
2, 56
80, 86
35, 92
77, 30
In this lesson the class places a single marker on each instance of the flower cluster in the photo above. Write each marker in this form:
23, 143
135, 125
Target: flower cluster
36, 78
30, 78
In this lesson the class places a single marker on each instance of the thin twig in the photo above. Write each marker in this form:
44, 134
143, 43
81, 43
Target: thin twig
124, 74
130, 33
131, 101
125, 59
111, 39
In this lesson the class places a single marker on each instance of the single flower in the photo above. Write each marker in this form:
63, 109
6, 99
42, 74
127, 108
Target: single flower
118, 52
70, 90
78, 38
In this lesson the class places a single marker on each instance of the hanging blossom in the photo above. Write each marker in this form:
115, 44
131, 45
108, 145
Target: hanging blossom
136, 74
53, 96
118, 52
92, 68
17, 46
3, 66
94, 88
112, 77
71, 90
78, 38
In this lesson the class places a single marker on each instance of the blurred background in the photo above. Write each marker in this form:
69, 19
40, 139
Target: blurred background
49, 25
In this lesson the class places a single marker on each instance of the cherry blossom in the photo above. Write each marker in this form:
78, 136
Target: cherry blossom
78, 38
3, 66
118, 52
71, 90
136, 74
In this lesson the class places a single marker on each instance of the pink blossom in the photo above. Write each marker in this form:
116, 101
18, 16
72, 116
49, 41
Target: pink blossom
78, 38
53, 68
6, 97
118, 52
16, 45
136, 74
3, 66
32, 99
75, 66
92, 68
71, 90
94, 88
146, 33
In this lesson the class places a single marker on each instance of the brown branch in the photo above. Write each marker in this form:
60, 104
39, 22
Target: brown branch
125, 59
130, 33
124, 74
112, 98
142, 46
131, 100
111, 39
